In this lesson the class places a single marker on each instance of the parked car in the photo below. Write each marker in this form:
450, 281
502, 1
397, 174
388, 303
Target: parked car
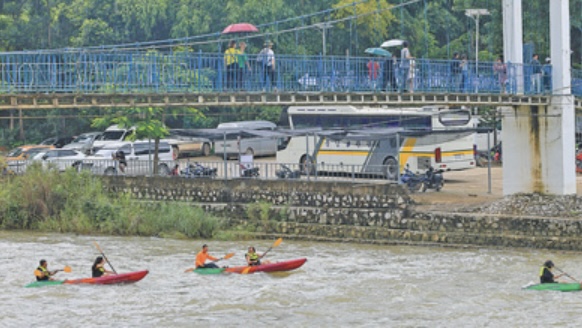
25, 152
137, 156
58, 142
59, 158
84, 142
112, 135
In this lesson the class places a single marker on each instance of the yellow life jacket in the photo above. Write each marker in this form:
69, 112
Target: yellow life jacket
253, 257
542, 270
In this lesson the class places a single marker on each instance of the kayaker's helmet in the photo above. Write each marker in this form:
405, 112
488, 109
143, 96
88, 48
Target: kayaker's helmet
549, 264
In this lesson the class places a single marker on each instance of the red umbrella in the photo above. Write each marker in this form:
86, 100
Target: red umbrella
240, 28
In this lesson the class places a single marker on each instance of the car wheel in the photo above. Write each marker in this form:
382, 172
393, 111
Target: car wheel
163, 170
206, 149
110, 171
390, 168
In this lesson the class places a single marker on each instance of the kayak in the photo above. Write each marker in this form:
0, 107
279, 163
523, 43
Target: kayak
270, 267
45, 283
122, 278
209, 270
563, 287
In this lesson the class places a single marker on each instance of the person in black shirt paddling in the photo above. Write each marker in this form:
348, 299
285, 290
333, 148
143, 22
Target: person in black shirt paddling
546, 275
98, 268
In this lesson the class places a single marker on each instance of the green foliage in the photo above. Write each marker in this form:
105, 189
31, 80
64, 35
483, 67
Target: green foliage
76, 202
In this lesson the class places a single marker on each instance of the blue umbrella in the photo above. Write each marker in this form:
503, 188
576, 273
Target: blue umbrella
378, 52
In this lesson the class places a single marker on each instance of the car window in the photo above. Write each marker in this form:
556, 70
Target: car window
33, 151
15, 152
51, 154
141, 148
67, 152
112, 135
126, 149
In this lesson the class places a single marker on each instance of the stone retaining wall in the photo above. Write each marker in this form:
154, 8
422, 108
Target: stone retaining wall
371, 213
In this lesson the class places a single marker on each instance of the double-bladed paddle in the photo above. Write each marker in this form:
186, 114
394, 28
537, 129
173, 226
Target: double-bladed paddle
275, 244
66, 269
566, 274
105, 257
226, 257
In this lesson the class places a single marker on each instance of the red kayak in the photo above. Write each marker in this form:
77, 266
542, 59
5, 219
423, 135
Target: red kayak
270, 267
122, 278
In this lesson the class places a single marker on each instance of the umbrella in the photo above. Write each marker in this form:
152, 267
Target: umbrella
240, 28
392, 43
378, 52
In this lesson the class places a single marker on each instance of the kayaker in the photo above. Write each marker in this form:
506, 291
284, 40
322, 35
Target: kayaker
42, 273
201, 258
98, 268
546, 275
253, 258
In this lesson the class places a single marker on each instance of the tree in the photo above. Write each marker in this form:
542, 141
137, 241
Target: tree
148, 123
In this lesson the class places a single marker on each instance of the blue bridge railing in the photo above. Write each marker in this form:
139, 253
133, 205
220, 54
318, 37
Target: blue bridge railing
180, 72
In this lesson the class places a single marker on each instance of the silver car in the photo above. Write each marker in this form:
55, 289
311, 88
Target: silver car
84, 142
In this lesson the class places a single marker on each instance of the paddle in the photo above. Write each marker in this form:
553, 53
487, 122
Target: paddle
66, 269
565, 274
275, 244
105, 257
226, 257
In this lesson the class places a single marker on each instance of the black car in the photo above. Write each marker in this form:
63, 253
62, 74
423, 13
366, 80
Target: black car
58, 142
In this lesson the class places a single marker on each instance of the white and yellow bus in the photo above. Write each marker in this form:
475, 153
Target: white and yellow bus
379, 140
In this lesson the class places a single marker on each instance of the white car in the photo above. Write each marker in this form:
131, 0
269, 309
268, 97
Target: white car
60, 159
137, 156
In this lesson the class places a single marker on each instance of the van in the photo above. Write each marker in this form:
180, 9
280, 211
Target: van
137, 155
112, 135
237, 143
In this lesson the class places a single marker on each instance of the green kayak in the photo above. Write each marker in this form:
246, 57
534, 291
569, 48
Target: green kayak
209, 270
563, 287
45, 283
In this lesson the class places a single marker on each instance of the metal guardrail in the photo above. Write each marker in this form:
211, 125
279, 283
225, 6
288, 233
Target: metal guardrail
213, 170
190, 72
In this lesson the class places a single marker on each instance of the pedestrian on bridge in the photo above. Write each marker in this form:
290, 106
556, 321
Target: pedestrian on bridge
266, 60
405, 58
231, 64
500, 69
243, 65
536, 74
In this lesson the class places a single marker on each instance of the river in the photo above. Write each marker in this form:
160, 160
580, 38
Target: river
340, 285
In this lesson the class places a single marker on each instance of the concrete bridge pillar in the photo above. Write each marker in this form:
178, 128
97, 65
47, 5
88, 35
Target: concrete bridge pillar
539, 141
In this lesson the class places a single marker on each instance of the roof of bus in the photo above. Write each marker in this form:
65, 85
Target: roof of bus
246, 125
426, 110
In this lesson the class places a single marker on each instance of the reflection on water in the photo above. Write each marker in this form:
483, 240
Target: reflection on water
340, 285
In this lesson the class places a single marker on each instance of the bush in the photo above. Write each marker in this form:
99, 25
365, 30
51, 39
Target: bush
76, 202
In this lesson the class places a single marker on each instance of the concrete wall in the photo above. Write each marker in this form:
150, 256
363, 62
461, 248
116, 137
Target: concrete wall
370, 213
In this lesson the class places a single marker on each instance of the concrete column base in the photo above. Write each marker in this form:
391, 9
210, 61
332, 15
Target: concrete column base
539, 148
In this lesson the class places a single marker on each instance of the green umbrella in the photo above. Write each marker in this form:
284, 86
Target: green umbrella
378, 52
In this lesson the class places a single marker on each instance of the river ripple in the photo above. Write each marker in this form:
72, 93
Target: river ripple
340, 285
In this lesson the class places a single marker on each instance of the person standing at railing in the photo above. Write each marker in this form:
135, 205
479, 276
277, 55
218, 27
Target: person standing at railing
243, 65
231, 64
464, 66
536, 74
500, 69
266, 60
373, 68
455, 81
405, 58
389, 81
547, 75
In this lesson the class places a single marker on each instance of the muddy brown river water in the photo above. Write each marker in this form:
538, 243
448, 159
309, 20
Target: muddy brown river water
340, 285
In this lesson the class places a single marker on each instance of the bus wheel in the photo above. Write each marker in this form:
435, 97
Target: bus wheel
307, 166
206, 149
390, 168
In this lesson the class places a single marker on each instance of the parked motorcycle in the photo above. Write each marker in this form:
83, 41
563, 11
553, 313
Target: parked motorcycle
412, 180
432, 179
198, 170
247, 171
286, 173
